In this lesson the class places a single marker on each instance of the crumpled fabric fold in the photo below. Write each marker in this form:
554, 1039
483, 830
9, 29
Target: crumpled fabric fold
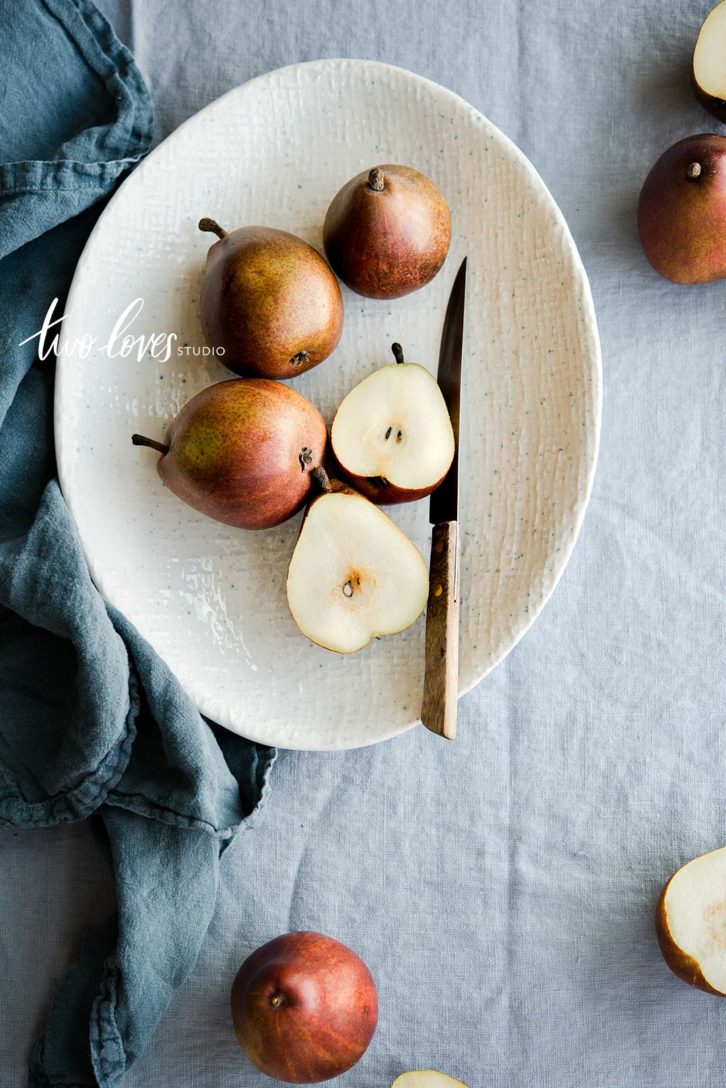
92, 722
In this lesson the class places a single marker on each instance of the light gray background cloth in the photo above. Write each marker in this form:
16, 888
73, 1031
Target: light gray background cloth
501, 888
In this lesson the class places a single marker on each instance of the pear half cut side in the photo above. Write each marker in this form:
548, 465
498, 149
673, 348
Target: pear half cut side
354, 575
392, 435
708, 71
426, 1078
691, 922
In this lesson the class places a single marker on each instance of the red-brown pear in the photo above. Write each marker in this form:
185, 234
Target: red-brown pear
682, 211
304, 1008
242, 452
270, 301
387, 231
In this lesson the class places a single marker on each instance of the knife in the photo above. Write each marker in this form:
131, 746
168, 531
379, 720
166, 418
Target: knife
441, 675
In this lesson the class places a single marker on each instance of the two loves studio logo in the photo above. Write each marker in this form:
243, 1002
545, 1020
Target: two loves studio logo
121, 343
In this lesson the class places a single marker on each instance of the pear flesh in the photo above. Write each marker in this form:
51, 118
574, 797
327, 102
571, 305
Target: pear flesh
354, 575
426, 1078
691, 922
392, 434
708, 70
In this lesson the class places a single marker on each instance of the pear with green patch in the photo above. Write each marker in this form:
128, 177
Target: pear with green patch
269, 302
242, 452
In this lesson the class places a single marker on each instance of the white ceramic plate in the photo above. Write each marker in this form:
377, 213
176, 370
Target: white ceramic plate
211, 599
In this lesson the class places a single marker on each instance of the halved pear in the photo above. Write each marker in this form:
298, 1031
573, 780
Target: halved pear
392, 435
708, 69
426, 1078
354, 575
691, 922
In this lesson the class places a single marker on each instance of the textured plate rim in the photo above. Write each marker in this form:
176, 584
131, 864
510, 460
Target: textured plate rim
589, 320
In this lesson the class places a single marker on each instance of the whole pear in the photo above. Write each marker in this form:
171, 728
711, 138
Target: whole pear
304, 1008
682, 211
242, 452
387, 231
270, 301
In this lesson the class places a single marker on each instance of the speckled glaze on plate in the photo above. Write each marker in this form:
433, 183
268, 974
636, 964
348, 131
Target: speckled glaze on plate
211, 599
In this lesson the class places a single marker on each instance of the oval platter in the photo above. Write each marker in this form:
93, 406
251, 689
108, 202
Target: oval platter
211, 599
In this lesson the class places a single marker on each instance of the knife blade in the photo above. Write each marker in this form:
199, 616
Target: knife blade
441, 674
444, 501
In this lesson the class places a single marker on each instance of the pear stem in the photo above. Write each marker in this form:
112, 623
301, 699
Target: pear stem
376, 180
397, 352
693, 170
213, 227
322, 479
142, 440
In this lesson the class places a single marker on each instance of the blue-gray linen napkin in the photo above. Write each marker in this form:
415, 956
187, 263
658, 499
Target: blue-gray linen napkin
91, 721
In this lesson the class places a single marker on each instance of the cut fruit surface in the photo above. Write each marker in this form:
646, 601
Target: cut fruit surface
691, 922
709, 62
392, 434
354, 575
426, 1078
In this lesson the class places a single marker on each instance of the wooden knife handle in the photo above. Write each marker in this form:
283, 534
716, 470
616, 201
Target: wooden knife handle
441, 676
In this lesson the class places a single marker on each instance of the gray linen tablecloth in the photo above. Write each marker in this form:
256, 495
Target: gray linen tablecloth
501, 888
